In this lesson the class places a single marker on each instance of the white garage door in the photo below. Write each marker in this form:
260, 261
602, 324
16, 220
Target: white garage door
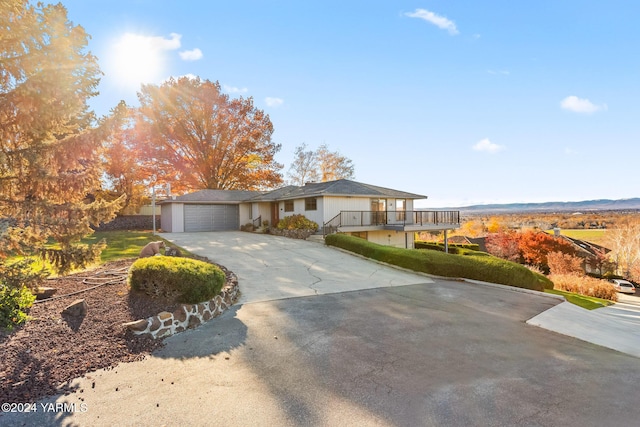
211, 217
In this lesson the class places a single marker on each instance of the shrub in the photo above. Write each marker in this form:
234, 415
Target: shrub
472, 265
454, 248
13, 305
584, 285
562, 263
183, 279
16, 281
296, 222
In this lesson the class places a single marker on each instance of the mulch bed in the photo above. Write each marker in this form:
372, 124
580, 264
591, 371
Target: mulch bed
44, 355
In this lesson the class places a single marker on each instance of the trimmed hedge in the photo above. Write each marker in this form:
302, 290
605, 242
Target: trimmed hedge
454, 248
473, 265
185, 280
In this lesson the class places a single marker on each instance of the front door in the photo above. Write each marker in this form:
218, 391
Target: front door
379, 211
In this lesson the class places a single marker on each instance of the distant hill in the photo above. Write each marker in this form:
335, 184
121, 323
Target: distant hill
586, 206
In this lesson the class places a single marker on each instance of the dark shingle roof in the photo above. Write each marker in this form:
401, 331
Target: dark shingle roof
215, 196
341, 187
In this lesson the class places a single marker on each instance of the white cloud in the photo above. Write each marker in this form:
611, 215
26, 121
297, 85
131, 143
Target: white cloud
499, 72
274, 102
191, 55
488, 146
157, 43
581, 105
437, 20
233, 89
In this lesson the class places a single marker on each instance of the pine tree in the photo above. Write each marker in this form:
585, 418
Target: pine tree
50, 141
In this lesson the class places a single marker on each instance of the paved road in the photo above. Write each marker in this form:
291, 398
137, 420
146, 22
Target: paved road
432, 353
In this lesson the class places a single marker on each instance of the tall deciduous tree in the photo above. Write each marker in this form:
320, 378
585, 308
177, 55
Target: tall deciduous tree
319, 165
196, 137
49, 139
334, 165
625, 245
304, 167
125, 175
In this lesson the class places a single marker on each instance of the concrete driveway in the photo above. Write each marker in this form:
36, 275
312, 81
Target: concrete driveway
271, 267
431, 353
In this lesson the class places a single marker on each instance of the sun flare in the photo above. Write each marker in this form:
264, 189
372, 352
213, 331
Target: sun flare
137, 59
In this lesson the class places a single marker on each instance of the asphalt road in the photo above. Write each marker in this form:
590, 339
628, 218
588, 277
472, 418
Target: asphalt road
444, 353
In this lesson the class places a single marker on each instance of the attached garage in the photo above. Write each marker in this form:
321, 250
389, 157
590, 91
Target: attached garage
206, 210
211, 217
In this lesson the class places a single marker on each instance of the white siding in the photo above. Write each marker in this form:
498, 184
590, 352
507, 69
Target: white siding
391, 238
245, 213
172, 218
165, 218
298, 209
333, 205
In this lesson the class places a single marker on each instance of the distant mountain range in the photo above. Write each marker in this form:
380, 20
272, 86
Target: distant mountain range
586, 206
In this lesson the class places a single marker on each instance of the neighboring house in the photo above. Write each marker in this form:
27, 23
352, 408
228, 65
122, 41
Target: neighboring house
595, 256
378, 214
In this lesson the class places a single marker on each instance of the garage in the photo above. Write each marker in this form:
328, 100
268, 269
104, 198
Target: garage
211, 217
206, 210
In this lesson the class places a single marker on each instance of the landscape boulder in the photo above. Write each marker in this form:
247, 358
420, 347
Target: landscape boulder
78, 308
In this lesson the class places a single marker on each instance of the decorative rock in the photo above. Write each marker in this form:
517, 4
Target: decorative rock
78, 308
180, 315
137, 326
155, 324
194, 321
165, 315
45, 292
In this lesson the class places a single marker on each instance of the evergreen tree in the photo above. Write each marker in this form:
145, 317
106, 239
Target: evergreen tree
50, 141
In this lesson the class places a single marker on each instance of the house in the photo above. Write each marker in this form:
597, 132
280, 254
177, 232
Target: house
378, 214
595, 256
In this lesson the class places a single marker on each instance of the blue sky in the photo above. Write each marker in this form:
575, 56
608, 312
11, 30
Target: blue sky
467, 102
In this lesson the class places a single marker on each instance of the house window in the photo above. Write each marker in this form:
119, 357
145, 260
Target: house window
310, 204
288, 205
401, 209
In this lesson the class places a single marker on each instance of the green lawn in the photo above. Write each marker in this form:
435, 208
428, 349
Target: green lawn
583, 301
120, 245
597, 236
123, 244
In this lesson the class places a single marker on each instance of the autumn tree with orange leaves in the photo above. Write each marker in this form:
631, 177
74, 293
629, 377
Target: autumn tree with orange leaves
194, 137
125, 175
527, 247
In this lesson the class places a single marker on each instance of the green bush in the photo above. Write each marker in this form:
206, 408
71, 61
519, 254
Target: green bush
16, 281
183, 279
13, 304
454, 248
296, 222
471, 265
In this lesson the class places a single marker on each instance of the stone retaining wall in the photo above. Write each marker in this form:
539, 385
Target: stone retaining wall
187, 315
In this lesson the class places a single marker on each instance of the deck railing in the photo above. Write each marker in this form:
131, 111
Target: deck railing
391, 218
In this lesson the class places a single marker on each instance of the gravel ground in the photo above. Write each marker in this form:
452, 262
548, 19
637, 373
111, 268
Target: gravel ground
41, 357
